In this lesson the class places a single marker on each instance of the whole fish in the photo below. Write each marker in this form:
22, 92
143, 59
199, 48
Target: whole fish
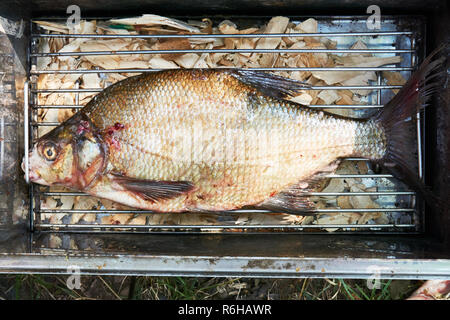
220, 139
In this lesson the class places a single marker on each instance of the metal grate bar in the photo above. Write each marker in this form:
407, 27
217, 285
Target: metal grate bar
26, 128
136, 70
2, 145
64, 211
374, 87
200, 36
54, 124
322, 106
269, 226
127, 52
379, 193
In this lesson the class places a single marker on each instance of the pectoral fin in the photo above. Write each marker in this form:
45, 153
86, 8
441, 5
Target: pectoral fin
154, 190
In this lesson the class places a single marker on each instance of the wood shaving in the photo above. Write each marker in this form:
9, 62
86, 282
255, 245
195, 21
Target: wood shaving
54, 242
275, 25
394, 79
182, 219
304, 99
329, 96
268, 219
155, 20
187, 60
173, 44
308, 26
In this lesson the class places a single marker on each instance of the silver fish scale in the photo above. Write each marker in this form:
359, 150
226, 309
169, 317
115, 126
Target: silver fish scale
237, 146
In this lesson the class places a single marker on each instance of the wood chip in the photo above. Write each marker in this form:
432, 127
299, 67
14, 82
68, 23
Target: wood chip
245, 43
275, 25
394, 79
160, 63
54, 242
138, 220
228, 27
155, 20
86, 27
344, 99
361, 202
53, 26
173, 44
348, 77
307, 26
116, 219
340, 218
329, 96
344, 202
304, 99
187, 60
264, 218
90, 80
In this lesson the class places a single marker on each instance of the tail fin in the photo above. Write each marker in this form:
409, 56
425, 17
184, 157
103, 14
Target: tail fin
400, 128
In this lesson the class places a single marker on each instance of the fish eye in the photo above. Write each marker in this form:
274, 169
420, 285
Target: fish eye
49, 151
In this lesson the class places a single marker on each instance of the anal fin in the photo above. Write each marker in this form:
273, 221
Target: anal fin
296, 198
286, 202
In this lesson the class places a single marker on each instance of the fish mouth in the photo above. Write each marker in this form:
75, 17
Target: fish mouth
23, 164
32, 175
36, 178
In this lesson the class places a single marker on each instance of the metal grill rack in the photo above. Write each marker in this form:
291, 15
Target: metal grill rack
393, 39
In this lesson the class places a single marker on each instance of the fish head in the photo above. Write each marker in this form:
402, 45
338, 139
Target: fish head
72, 155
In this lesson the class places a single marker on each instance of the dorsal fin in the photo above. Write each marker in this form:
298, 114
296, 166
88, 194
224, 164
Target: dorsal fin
269, 84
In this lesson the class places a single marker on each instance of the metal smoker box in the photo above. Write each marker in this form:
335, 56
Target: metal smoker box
414, 248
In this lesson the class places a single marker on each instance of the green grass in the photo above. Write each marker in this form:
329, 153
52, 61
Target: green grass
179, 288
183, 288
